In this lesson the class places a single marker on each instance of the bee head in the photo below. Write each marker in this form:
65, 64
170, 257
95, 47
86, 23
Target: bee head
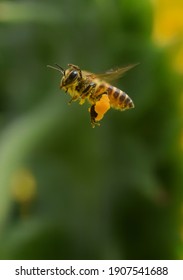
70, 75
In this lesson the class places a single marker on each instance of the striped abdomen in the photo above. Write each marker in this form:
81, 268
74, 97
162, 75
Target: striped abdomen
118, 98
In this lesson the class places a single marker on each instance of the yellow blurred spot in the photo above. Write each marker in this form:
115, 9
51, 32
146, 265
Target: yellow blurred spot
102, 106
23, 186
168, 20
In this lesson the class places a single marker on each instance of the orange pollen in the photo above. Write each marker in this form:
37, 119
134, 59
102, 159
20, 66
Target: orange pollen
102, 106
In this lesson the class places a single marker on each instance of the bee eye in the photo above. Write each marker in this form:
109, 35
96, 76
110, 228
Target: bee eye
73, 75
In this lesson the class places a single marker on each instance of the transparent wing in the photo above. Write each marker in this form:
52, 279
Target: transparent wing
112, 74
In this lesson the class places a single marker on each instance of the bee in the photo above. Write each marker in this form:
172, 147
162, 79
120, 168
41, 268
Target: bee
96, 89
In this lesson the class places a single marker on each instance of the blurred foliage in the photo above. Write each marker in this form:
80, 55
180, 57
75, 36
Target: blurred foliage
68, 191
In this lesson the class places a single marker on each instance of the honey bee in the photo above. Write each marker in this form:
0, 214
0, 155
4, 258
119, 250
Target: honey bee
96, 88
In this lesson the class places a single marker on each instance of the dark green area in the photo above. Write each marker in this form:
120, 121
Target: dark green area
113, 192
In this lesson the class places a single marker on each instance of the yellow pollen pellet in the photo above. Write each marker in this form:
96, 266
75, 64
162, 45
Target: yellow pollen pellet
102, 106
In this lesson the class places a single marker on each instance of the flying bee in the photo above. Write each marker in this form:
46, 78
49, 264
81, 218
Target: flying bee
96, 88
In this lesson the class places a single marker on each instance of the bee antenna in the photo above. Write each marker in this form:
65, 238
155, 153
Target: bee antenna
58, 68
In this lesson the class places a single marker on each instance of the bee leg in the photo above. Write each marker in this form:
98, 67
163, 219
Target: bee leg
80, 73
74, 66
82, 101
93, 116
74, 98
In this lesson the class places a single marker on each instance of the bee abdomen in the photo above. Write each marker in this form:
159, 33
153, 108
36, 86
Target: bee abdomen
119, 99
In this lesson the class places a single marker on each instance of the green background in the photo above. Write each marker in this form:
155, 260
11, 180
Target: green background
113, 192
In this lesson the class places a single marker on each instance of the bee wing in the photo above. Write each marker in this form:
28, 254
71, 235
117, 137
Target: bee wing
112, 74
